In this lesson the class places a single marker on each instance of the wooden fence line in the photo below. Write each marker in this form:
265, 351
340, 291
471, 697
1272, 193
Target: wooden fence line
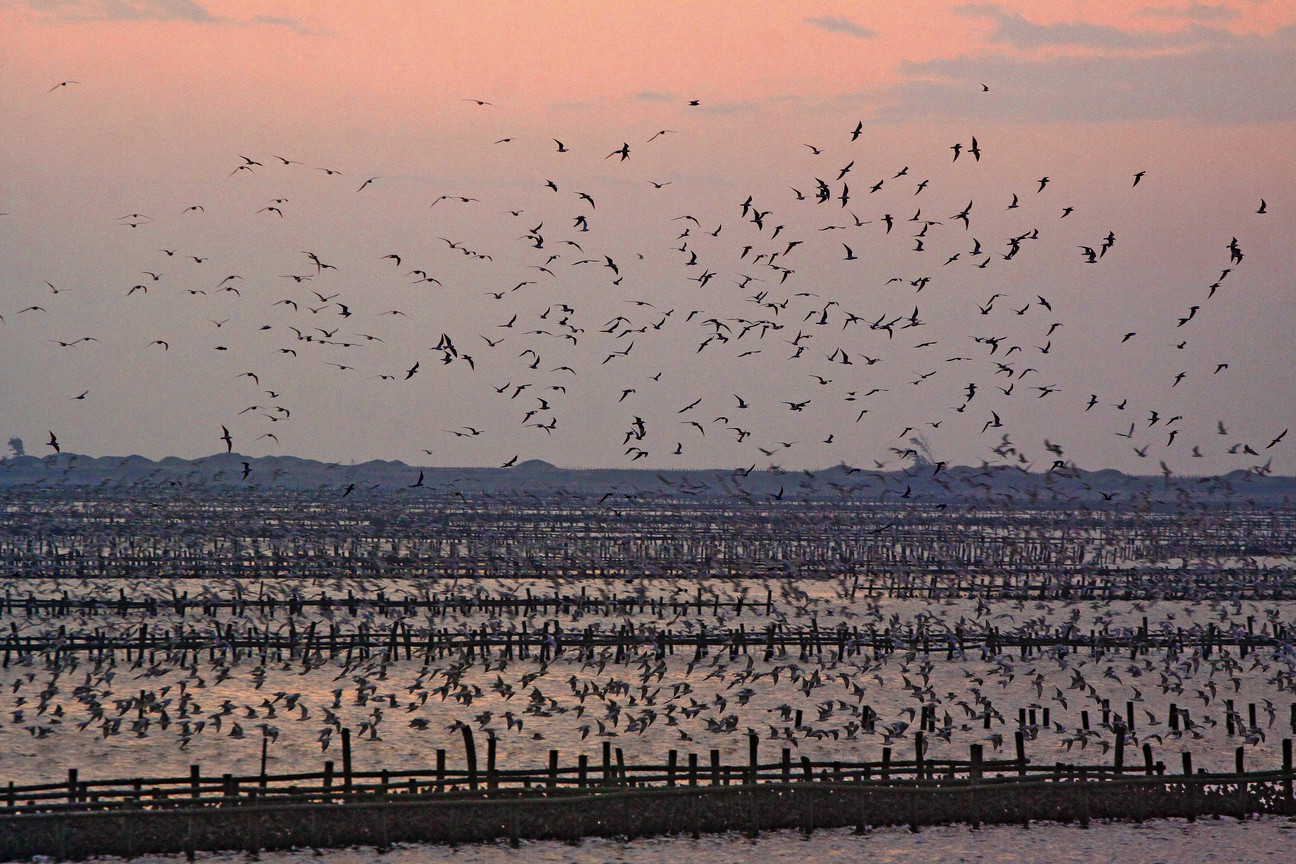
399, 639
485, 815
912, 580
347, 785
921, 584
991, 551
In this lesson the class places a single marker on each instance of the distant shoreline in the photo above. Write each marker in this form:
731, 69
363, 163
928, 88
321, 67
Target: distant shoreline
921, 482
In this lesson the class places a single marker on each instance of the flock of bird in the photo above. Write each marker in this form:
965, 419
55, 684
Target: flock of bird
804, 323
171, 714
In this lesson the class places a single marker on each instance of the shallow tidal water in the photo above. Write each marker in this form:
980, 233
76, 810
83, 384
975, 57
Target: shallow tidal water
52, 719
1158, 842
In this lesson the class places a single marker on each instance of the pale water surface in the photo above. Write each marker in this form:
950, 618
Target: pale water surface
1169, 841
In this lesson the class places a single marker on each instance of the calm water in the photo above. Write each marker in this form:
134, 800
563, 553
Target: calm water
217, 716
400, 713
1170, 841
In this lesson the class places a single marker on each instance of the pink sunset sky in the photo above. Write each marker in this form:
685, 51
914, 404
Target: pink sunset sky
163, 203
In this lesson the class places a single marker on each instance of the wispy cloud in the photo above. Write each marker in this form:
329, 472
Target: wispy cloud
655, 96
124, 10
161, 10
293, 24
842, 24
731, 108
1013, 29
1242, 80
1192, 12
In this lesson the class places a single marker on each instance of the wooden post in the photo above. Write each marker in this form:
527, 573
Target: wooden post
607, 763
715, 767
1244, 788
553, 769
753, 746
470, 755
1020, 739
346, 762
195, 781
1287, 768
265, 744
975, 774
672, 759
492, 782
